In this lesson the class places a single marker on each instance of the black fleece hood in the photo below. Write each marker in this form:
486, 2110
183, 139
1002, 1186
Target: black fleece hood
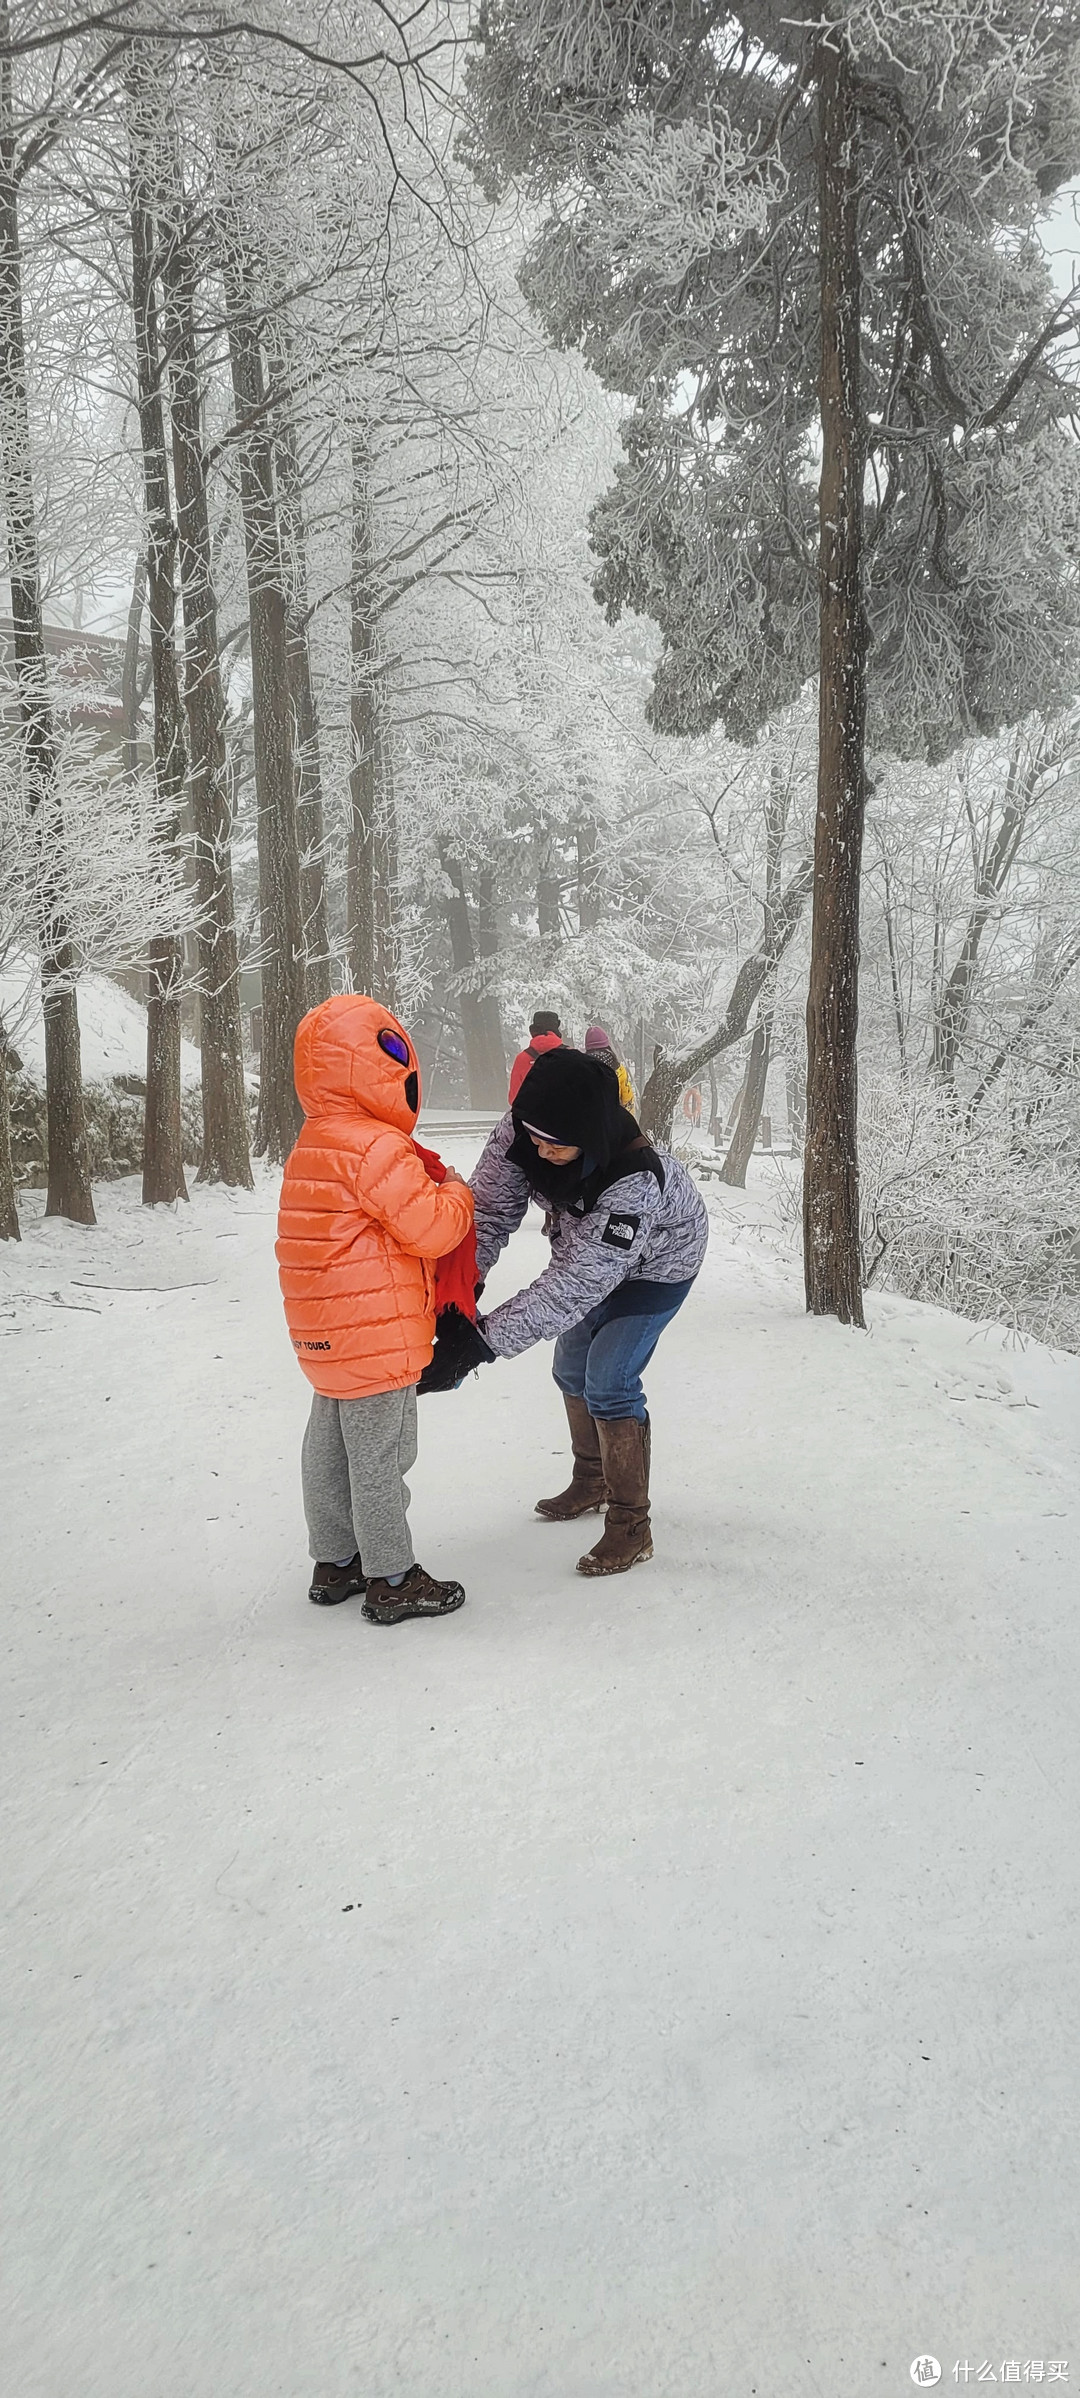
573, 1100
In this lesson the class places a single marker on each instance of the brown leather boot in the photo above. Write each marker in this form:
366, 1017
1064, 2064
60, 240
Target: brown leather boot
584, 1493
626, 1539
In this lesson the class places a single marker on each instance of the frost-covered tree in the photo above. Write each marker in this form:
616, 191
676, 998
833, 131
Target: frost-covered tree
806, 250
69, 1168
970, 1043
111, 854
972, 891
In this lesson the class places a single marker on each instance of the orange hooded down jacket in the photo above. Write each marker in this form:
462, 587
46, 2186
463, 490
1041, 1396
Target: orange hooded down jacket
360, 1222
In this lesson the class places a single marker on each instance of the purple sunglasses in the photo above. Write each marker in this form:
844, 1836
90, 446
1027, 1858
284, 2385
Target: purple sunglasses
394, 1046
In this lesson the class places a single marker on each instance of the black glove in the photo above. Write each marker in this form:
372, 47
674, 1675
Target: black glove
459, 1346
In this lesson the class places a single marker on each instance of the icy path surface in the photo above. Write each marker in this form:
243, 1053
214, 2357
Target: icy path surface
656, 1988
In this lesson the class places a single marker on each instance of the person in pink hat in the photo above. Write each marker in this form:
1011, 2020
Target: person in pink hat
598, 1043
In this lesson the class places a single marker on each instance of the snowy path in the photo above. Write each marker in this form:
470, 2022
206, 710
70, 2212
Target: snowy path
662, 1988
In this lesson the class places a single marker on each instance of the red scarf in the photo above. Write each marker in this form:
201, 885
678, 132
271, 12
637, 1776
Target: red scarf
455, 1275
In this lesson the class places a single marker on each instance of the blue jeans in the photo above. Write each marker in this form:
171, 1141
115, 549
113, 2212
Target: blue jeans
601, 1360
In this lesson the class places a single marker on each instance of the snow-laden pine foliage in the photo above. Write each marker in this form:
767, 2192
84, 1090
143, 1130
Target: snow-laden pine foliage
673, 159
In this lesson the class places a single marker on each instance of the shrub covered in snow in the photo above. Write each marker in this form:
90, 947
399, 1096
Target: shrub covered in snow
114, 1122
981, 1212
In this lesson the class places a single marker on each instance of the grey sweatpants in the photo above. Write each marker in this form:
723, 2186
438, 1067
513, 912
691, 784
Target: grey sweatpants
355, 1455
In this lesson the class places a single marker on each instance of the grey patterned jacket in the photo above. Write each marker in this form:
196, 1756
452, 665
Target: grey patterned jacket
635, 1231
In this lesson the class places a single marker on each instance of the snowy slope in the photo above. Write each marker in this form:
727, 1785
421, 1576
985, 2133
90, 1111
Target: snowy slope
112, 1026
655, 1988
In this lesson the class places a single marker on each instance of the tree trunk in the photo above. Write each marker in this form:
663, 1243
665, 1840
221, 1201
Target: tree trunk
361, 857
487, 947
9, 1211
69, 1191
670, 1075
548, 889
386, 874
795, 1085
307, 761
163, 1144
831, 1248
953, 1012
588, 877
486, 1067
225, 1146
284, 995
130, 685
741, 1150
310, 820
894, 976
163, 1137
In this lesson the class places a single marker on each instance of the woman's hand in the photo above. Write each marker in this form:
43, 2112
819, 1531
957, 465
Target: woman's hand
459, 1346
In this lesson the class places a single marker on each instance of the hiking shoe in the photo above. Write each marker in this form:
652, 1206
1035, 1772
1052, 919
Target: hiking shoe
418, 1594
332, 1583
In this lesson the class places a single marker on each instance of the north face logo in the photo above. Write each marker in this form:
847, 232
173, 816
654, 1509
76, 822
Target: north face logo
620, 1231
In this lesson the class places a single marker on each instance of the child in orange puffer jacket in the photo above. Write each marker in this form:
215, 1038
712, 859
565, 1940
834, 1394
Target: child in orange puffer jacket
360, 1227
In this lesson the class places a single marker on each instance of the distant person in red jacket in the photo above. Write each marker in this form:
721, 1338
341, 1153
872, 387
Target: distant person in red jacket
545, 1033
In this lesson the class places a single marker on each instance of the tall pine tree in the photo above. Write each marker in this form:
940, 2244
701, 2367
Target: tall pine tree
807, 253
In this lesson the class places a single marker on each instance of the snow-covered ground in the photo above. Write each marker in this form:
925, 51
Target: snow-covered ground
656, 1988
112, 1025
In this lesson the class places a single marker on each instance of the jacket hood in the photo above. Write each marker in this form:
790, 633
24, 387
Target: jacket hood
572, 1099
340, 1068
575, 1099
